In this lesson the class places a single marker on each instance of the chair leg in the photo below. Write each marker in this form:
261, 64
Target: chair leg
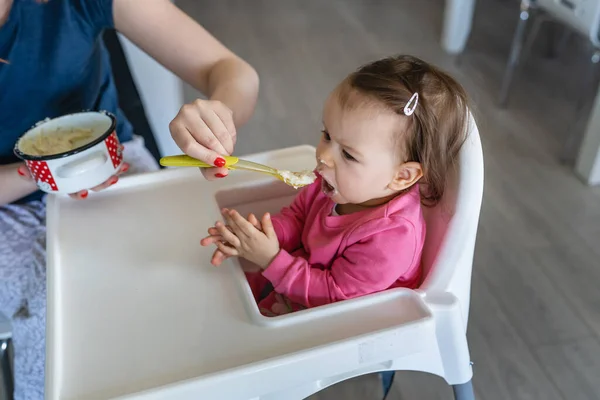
464, 391
557, 39
589, 89
515, 52
387, 379
538, 21
562, 42
6, 370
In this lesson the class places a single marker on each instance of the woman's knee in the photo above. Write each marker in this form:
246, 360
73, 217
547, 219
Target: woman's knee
22, 255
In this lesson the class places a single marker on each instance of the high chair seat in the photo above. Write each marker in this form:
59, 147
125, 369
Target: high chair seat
136, 311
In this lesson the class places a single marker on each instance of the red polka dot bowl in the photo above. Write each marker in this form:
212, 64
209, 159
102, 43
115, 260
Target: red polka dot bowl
91, 155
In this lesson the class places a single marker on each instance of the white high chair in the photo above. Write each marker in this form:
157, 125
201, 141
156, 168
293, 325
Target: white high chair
135, 311
438, 343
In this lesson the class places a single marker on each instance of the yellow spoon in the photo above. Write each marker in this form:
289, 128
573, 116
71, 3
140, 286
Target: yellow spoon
295, 179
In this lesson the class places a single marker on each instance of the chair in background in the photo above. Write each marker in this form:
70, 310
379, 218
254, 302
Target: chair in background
581, 16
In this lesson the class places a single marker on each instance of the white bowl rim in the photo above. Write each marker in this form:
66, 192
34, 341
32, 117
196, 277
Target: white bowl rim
29, 157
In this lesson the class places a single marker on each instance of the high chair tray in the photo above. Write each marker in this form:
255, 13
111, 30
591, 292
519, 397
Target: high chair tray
135, 310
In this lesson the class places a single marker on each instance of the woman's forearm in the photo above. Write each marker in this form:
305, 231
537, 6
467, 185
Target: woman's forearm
235, 83
13, 187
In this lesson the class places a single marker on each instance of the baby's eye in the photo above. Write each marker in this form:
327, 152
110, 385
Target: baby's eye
326, 136
348, 156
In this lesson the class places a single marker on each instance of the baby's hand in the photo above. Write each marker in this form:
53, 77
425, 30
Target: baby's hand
254, 241
214, 237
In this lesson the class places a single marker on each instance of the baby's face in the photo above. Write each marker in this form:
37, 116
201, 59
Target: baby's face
356, 155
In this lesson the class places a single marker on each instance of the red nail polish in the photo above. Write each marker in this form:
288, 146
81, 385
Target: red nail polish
220, 175
220, 162
114, 180
20, 171
125, 168
84, 194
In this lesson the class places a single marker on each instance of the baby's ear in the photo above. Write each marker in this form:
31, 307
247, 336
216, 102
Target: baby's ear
407, 175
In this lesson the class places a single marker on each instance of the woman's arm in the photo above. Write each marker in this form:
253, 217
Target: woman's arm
12, 186
183, 46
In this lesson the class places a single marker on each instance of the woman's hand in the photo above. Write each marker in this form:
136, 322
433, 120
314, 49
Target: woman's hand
205, 130
250, 239
82, 194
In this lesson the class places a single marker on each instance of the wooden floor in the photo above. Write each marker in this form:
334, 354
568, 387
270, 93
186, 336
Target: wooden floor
534, 327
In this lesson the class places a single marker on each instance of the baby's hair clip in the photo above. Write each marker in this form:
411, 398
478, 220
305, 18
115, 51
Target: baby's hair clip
409, 110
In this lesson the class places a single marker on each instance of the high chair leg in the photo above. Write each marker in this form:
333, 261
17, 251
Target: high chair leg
7, 376
464, 391
387, 379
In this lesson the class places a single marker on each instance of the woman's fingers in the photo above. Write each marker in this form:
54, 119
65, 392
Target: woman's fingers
205, 130
199, 132
217, 127
24, 173
226, 117
211, 174
111, 181
81, 195
195, 142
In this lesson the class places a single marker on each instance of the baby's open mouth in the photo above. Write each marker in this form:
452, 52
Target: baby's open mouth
328, 188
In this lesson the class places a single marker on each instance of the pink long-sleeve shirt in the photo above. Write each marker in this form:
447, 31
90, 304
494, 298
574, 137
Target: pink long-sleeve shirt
326, 257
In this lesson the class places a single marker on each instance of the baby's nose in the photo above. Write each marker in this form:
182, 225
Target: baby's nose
324, 161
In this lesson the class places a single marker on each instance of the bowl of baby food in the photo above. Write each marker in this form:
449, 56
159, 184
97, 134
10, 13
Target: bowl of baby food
72, 152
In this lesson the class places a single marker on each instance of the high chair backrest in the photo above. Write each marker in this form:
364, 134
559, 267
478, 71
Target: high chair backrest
581, 15
452, 226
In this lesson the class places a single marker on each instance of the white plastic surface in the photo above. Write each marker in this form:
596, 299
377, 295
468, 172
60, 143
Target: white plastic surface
136, 311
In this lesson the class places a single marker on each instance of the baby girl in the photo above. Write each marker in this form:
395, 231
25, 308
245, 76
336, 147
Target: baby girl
392, 131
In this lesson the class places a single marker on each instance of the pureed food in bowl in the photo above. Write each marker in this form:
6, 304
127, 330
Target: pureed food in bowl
71, 153
56, 141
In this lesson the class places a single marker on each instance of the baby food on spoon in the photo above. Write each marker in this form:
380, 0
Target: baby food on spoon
297, 179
